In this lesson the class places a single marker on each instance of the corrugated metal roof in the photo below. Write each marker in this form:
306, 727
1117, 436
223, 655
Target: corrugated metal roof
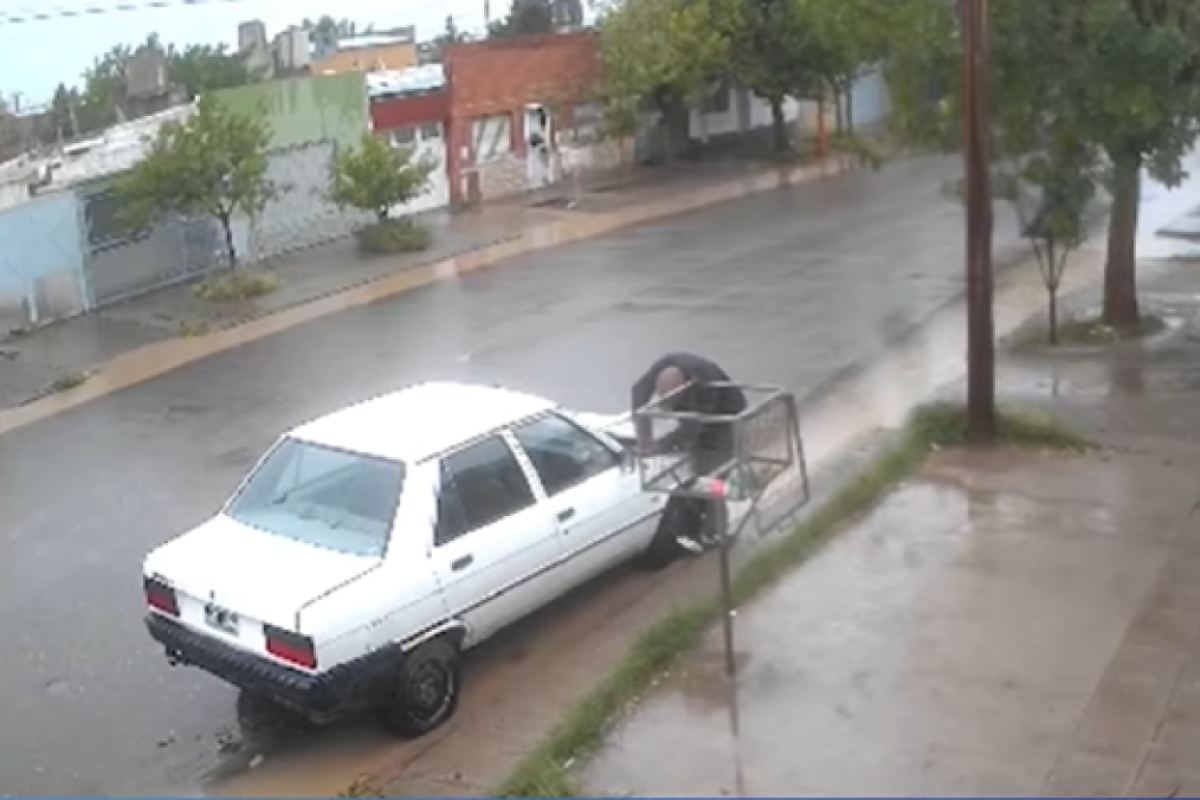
414, 80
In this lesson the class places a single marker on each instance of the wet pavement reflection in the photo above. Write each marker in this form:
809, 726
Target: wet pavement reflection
945, 646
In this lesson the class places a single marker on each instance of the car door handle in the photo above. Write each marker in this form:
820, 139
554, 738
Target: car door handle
460, 564
566, 514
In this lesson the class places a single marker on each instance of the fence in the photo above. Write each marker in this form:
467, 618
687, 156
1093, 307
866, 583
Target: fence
120, 263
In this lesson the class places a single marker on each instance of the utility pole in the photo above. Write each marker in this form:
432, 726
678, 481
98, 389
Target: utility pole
977, 135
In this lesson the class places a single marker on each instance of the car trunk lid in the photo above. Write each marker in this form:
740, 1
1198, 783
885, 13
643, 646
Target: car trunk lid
225, 566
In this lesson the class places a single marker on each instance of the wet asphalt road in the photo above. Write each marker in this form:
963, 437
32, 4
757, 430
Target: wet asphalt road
788, 287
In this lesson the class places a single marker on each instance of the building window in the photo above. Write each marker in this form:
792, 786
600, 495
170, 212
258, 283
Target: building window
404, 137
492, 137
431, 131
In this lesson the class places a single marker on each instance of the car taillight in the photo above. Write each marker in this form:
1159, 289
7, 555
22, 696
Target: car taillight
160, 597
294, 648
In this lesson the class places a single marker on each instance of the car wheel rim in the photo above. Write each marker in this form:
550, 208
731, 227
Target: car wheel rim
429, 691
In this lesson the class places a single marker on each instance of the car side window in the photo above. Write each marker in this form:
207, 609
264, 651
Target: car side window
481, 484
564, 454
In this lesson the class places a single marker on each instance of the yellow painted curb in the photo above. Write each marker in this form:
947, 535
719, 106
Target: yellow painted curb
153, 360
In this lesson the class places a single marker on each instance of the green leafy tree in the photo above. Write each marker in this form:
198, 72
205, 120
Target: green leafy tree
201, 68
659, 55
525, 18
62, 112
1064, 176
1117, 76
377, 177
214, 164
103, 90
775, 53
846, 39
325, 31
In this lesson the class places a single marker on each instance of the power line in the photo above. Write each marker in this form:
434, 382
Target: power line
46, 14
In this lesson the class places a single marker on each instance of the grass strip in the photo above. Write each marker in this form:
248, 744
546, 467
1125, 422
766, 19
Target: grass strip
548, 770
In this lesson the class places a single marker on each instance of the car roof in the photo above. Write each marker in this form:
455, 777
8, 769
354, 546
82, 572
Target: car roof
421, 421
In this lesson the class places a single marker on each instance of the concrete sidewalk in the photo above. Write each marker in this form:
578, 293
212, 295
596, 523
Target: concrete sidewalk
31, 364
1006, 624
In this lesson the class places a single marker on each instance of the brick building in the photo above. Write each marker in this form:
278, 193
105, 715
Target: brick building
513, 103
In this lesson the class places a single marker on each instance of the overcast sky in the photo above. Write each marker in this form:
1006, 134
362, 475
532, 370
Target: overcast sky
36, 56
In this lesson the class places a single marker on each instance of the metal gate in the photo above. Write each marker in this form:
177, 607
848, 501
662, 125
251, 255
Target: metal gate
123, 263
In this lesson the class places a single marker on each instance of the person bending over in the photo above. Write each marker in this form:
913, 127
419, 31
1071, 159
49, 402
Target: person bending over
685, 381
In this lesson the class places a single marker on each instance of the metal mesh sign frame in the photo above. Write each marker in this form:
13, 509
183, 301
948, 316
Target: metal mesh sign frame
764, 465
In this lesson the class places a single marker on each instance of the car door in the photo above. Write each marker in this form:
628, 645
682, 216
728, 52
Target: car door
594, 496
493, 539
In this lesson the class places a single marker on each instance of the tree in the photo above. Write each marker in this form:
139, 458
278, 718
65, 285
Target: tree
1064, 175
103, 90
1142, 105
201, 68
659, 55
1118, 76
326, 31
62, 112
775, 53
525, 18
846, 39
214, 164
377, 177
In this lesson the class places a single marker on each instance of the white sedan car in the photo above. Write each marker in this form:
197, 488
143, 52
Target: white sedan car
369, 548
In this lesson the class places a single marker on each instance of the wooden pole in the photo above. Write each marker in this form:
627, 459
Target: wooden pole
977, 129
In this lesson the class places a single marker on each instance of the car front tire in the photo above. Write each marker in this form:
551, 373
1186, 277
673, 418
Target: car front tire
422, 692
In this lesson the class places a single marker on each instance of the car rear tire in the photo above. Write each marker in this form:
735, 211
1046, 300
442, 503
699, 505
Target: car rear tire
422, 692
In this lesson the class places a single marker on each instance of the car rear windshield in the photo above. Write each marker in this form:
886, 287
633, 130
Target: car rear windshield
323, 497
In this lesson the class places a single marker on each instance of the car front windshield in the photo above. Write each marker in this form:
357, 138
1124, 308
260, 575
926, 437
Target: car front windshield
323, 497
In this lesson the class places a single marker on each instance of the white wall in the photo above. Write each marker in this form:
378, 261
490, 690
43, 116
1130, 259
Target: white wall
744, 112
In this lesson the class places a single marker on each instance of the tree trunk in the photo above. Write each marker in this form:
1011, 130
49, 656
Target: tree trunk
850, 109
230, 251
1120, 268
779, 132
1052, 309
838, 111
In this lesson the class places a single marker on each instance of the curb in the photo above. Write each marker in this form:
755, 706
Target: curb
154, 360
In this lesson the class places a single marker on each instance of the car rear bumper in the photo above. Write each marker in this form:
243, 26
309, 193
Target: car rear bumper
321, 698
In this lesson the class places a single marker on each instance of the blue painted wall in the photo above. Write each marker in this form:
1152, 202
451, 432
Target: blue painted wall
41, 258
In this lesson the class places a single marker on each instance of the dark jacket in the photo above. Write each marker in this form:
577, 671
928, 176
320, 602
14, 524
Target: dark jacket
698, 399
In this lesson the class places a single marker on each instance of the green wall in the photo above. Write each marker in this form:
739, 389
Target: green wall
307, 109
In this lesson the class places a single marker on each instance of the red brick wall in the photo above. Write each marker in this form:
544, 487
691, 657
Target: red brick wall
399, 112
503, 75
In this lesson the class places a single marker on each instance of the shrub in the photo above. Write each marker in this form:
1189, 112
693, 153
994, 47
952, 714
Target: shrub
237, 286
394, 236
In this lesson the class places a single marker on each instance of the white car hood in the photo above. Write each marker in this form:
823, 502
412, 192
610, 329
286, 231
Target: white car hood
250, 572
